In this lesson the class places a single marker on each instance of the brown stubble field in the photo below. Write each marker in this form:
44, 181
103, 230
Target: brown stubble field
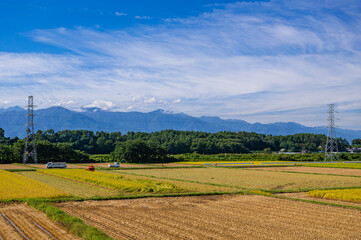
217, 217
19, 221
335, 171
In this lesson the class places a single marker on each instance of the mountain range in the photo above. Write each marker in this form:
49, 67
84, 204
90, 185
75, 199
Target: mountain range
13, 120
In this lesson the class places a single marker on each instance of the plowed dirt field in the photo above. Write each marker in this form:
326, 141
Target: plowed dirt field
23, 222
336, 171
217, 217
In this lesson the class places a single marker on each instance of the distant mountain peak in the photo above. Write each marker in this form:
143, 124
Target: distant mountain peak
13, 121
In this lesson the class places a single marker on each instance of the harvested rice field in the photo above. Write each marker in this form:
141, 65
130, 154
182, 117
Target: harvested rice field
336, 171
19, 221
249, 178
217, 217
304, 195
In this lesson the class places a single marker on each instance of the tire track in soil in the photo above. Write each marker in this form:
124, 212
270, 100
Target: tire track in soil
44, 227
24, 222
7, 231
15, 227
25, 226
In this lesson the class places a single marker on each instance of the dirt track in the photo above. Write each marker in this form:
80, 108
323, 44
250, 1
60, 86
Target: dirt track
336, 171
218, 217
18, 221
12, 166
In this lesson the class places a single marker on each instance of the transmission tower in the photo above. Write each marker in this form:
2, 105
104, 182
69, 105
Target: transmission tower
30, 146
331, 148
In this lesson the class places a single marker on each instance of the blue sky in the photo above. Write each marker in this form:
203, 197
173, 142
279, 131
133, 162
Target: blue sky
260, 61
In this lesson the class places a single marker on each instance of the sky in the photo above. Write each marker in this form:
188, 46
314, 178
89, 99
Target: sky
259, 61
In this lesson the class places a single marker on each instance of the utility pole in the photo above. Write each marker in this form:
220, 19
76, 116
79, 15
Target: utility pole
30, 146
331, 148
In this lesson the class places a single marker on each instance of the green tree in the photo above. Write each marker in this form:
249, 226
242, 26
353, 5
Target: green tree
139, 151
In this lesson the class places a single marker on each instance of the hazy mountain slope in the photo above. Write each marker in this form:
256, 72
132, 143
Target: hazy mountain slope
13, 121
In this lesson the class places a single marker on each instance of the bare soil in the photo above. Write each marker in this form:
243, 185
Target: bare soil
19, 221
12, 166
217, 217
337, 171
303, 195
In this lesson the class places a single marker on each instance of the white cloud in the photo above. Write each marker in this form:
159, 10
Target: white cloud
142, 17
256, 61
4, 102
150, 100
120, 14
104, 105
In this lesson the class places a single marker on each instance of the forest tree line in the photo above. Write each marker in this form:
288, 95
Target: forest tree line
75, 145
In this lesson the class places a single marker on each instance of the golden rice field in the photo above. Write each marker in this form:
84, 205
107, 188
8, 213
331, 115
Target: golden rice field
338, 194
114, 181
334, 165
75, 188
14, 186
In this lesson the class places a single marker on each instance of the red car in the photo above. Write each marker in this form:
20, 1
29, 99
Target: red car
90, 168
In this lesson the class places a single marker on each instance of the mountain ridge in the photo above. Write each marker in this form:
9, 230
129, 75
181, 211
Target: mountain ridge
13, 121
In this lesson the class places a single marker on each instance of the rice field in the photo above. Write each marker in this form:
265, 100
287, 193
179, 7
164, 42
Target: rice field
353, 195
334, 165
15, 186
222, 163
250, 178
74, 188
217, 217
114, 181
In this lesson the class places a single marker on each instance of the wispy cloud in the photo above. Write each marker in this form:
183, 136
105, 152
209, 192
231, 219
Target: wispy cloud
142, 17
252, 60
120, 14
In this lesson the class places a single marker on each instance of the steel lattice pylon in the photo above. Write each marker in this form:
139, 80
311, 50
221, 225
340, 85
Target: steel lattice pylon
331, 148
30, 146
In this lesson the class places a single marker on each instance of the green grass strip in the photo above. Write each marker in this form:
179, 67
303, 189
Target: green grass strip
20, 170
72, 224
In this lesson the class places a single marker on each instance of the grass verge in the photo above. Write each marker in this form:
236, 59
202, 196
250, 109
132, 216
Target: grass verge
72, 224
20, 170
